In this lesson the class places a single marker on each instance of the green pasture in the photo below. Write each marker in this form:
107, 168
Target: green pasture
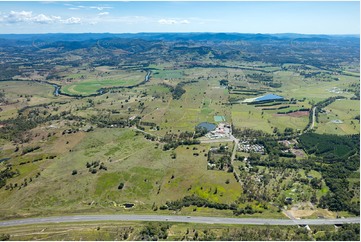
35, 89
85, 81
24, 93
200, 103
248, 116
168, 74
343, 110
295, 86
150, 176
91, 86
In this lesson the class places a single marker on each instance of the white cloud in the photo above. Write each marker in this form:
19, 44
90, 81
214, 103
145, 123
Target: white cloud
15, 17
72, 20
167, 21
77, 7
28, 17
184, 22
103, 13
43, 19
173, 21
100, 8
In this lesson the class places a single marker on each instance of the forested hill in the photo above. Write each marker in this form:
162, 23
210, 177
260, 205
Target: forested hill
321, 51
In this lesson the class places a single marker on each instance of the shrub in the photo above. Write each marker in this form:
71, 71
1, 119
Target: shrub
121, 185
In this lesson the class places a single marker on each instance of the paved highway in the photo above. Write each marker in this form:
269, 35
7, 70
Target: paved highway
171, 218
216, 141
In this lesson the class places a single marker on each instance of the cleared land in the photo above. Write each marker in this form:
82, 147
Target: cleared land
340, 118
89, 82
145, 171
131, 150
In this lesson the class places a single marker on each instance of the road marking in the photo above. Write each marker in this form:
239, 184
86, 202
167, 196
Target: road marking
186, 219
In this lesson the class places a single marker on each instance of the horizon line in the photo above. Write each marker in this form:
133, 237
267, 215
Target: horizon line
193, 32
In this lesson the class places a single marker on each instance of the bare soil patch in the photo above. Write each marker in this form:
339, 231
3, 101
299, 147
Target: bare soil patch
298, 152
308, 213
296, 114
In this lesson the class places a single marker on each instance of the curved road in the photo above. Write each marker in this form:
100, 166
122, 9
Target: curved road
171, 218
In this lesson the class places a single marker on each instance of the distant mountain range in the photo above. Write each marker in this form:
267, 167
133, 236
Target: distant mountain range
322, 51
174, 36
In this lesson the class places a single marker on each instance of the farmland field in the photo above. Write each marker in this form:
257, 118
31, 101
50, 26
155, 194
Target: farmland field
340, 118
135, 147
145, 171
91, 84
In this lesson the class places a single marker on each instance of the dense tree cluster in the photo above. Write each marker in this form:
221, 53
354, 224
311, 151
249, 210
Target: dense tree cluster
196, 201
334, 173
4, 237
6, 174
220, 159
320, 105
294, 110
347, 232
92, 166
178, 91
200, 131
261, 77
270, 233
15, 129
330, 147
153, 232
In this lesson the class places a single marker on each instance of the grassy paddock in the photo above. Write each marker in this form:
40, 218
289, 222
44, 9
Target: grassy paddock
343, 110
145, 171
88, 82
20, 94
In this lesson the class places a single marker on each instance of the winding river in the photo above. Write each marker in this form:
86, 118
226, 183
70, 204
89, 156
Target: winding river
56, 91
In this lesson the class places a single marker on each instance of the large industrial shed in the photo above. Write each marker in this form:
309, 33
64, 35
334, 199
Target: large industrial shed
266, 98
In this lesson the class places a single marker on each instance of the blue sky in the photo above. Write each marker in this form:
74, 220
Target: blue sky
133, 17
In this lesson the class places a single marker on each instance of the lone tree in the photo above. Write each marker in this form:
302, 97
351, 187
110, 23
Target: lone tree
74, 172
121, 185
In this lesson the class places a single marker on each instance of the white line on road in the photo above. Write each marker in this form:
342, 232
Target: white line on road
183, 219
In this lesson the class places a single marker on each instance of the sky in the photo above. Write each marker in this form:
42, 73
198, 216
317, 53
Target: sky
217, 16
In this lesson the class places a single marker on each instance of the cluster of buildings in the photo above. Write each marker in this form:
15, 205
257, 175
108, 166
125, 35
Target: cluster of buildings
222, 131
335, 90
289, 143
292, 147
245, 146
